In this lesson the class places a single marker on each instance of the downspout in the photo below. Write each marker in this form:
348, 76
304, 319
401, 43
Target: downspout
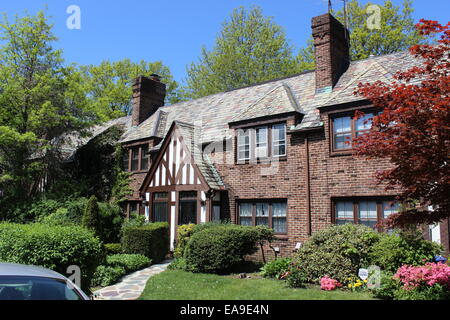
308, 189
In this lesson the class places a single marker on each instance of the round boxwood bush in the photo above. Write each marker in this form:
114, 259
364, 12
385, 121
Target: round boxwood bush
337, 251
53, 247
221, 248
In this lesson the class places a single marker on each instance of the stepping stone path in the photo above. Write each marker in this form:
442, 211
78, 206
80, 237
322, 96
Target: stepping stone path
131, 286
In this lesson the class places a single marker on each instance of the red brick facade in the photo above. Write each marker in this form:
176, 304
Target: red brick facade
310, 177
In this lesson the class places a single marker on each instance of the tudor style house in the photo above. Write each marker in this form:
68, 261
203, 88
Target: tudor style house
277, 153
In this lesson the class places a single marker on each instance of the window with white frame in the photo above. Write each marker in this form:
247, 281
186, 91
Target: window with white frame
263, 142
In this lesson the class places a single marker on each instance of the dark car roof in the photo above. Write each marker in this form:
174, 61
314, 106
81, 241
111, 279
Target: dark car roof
12, 269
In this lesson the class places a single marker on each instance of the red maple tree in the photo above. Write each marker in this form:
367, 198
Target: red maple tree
413, 131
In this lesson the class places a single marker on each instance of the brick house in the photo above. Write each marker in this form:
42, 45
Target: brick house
273, 153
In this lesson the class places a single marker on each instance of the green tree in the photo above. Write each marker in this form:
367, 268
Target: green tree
109, 85
397, 31
40, 100
250, 48
91, 215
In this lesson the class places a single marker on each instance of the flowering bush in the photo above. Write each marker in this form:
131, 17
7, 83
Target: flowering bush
429, 274
329, 284
356, 284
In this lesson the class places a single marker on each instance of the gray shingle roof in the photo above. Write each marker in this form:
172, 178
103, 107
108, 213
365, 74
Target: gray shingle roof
213, 113
191, 137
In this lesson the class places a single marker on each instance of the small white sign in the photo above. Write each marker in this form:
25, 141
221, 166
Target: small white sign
363, 274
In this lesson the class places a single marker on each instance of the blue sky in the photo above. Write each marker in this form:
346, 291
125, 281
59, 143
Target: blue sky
174, 31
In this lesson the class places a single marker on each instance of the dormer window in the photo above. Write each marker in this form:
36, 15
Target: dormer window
260, 143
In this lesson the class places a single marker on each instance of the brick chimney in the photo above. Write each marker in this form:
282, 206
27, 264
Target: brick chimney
332, 51
148, 96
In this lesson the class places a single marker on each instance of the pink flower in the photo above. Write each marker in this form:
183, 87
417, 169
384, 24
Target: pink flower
329, 284
429, 274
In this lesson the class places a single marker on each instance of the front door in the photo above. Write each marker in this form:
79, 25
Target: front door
187, 207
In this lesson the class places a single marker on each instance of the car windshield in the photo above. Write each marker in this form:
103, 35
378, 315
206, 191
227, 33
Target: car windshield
36, 288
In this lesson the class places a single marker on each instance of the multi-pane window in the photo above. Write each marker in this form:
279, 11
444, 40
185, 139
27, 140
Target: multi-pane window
144, 157
243, 144
134, 159
346, 128
261, 142
187, 207
160, 207
246, 214
126, 160
262, 214
140, 158
272, 214
279, 217
363, 211
344, 212
367, 213
279, 140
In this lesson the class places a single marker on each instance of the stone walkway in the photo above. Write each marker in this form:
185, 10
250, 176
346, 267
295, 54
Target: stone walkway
132, 285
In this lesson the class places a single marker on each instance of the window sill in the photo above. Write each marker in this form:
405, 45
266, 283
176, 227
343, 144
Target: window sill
342, 153
281, 237
262, 161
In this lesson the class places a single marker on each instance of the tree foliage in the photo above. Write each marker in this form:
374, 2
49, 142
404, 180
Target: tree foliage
396, 32
91, 215
413, 131
250, 48
109, 85
40, 100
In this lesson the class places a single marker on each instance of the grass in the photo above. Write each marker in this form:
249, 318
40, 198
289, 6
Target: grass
181, 285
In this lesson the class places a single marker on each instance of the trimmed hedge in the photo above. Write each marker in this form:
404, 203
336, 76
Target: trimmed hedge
53, 247
130, 262
221, 248
151, 240
113, 248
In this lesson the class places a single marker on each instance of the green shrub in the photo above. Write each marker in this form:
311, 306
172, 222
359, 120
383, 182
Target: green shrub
107, 275
296, 277
178, 264
130, 262
91, 216
110, 221
388, 287
338, 252
220, 248
276, 268
393, 251
133, 222
58, 218
184, 232
53, 247
434, 292
151, 240
113, 248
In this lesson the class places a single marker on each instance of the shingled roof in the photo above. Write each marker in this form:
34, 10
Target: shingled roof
296, 93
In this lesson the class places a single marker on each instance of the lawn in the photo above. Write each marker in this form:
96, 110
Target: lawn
181, 285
